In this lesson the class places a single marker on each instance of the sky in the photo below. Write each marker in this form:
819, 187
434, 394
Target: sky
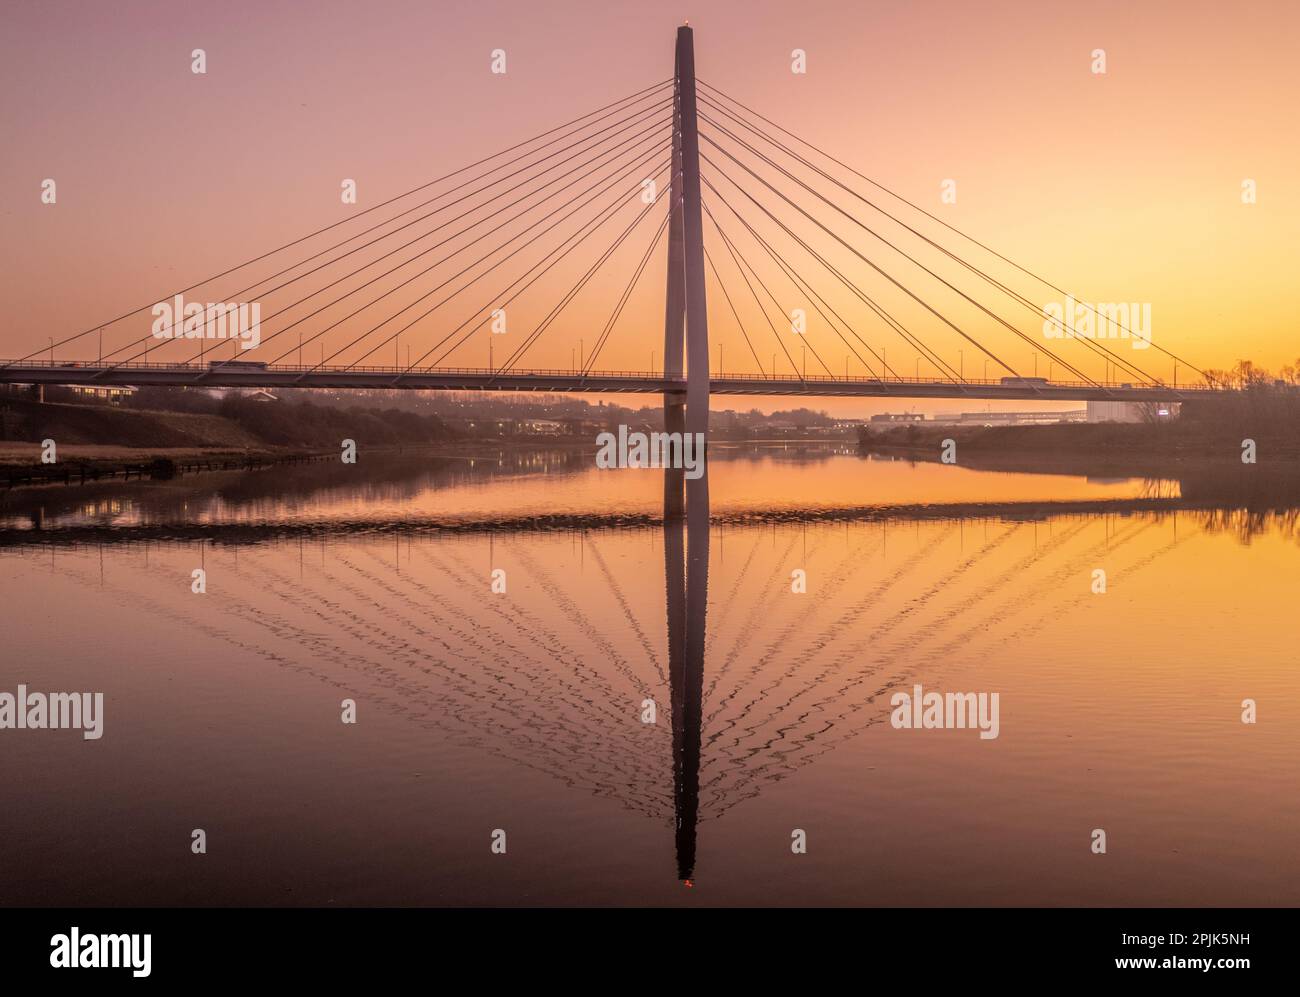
1123, 186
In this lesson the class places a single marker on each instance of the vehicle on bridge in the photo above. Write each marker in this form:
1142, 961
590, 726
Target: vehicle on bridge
1024, 381
236, 365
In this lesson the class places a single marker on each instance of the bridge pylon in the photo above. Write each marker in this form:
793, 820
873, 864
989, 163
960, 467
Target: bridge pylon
686, 329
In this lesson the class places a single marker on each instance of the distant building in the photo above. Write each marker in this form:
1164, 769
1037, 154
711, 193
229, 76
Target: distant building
1012, 418
898, 417
253, 394
111, 394
541, 427
1132, 411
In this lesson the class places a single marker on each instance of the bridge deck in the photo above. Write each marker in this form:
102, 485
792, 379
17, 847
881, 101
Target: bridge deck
617, 382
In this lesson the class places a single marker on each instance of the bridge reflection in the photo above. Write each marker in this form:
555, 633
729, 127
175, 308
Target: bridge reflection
686, 575
549, 684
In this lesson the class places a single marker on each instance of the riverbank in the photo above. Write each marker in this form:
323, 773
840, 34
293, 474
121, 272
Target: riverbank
21, 465
1095, 449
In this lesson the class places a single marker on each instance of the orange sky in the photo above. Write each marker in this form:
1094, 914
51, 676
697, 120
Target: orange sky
1120, 187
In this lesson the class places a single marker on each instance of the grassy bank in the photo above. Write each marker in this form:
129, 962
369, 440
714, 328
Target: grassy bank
94, 441
1177, 443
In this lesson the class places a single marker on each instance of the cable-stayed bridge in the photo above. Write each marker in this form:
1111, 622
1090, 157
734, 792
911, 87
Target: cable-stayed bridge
824, 282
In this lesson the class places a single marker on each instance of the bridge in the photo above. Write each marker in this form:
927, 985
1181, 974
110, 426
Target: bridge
776, 244
617, 382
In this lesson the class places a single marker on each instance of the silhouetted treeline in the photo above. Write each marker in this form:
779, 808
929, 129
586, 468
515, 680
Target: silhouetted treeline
302, 424
1260, 409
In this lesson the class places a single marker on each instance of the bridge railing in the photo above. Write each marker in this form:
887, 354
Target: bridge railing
218, 366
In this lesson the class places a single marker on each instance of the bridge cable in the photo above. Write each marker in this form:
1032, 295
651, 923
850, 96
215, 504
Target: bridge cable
510, 293
1042, 280
633, 98
637, 118
761, 283
717, 277
577, 288
790, 176
627, 293
577, 239
398, 249
599, 189
912, 339
928, 307
1019, 299
587, 164
807, 289
573, 293
582, 168
624, 171
727, 239
741, 264
1098, 348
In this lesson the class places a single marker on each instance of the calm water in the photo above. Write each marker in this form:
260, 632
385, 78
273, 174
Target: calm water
522, 711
